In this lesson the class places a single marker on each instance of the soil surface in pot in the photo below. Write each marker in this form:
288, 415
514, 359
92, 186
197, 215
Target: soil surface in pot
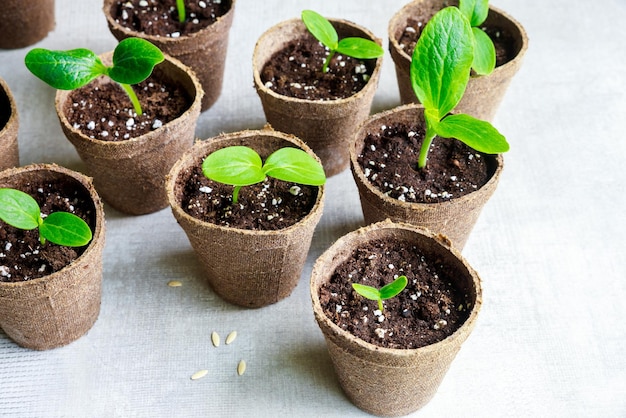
22, 256
389, 161
428, 310
5, 109
270, 205
503, 41
160, 17
106, 113
296, 71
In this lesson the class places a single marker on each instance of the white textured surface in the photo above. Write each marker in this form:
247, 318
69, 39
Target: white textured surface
549, 246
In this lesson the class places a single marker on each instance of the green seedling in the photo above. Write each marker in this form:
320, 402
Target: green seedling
324, 32
180, 7
20, 210
476, 12
241, 166
440, 70
386, 292
133, 62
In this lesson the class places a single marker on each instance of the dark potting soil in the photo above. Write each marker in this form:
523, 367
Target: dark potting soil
22, 256
296, 71
160, 17
428, 310
270, 205
5, 109
106, 113
389, 161
503, 41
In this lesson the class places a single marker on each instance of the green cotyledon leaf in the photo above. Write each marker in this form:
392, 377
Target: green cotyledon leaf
19, 209
64, 70
133, 61
66, 229
237, 166
294, 165
477, 134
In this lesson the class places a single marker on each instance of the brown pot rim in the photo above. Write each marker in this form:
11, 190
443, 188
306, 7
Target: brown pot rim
215, 26
98, 235
402, 15
360, 345
199, 148
358, 172
148, 138
14, 117
298, 24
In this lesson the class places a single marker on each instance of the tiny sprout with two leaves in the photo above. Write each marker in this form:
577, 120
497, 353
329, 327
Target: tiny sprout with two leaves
324, 32
133, 62
386, 292
242, 166
20, 210
476, 12
440, 70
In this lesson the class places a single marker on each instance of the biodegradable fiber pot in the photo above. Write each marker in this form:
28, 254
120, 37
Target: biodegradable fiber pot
9, 124
454, 218
484, 93
54, 310
325, 126
203, 51
130, 174
249, 268
385, 381
23, 23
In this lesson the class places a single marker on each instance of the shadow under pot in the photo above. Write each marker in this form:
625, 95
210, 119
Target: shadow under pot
9, 125
391, 361
200, 42
129, 156
484, 93
326, 123
446, 197
23, 23
50, 294
253, 251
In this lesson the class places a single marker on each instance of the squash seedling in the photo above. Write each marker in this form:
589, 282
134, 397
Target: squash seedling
180, 7
21, 211
133, 62
386, 292
324, 32
476, 12
242, 166
440, 70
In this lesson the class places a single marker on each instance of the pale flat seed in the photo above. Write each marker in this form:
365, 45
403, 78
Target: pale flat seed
241, 367
215, 339
231, 337
174, 283
199, 374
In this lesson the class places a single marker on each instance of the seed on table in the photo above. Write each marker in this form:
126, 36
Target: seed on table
215, 339
231, 337
241, 367
199, 374
174, 283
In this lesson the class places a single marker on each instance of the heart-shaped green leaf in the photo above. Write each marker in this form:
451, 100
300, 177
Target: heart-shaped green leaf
64, 70
442, 59
478, 134
19, 209
66, 229
237, 166
294, 165
320, 28
133, 61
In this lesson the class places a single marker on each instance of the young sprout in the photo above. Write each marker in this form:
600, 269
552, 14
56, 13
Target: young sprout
440, 70
386, 292
324, 32
180, 7
242, 166
476, 12
20, 210
133, 62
